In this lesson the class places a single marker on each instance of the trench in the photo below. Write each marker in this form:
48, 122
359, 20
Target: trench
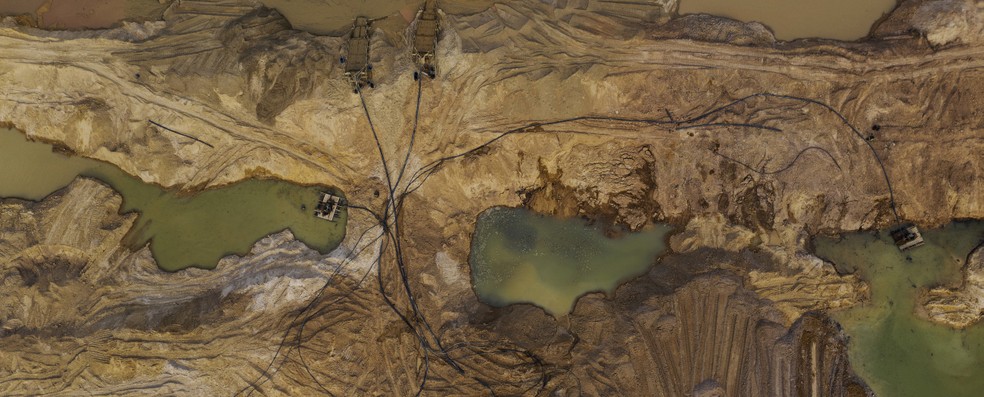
182, 230
892, 347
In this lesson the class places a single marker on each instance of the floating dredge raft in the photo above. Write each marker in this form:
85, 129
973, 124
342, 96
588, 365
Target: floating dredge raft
328, 206
907, 236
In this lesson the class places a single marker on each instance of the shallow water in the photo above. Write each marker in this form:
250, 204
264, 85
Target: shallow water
519, 256
895, 351
794, 19
183, 230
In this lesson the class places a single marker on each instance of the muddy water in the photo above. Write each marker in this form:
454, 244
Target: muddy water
519, 256
794, 19
182, 230
336, 16
895, 351
83, 14
789, 19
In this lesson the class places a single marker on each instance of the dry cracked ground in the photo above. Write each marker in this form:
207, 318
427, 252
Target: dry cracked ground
618, 113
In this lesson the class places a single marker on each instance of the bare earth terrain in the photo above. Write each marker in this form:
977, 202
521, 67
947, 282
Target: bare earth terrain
620, 114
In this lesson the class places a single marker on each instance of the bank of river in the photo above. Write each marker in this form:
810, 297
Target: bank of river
182, 230
795, 19
895, 351
518, 256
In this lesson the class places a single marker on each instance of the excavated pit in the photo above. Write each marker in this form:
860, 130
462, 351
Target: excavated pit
618, 113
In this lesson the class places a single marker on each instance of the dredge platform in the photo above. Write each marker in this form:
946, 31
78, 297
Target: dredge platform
328, 206
425, 40
907, 236
357, 66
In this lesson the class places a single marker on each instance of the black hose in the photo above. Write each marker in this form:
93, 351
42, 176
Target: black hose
782, 169
395, 204
431, 167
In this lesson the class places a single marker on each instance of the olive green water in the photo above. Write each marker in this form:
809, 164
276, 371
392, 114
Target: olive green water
518, 256
183, 230
794, 19
896, 352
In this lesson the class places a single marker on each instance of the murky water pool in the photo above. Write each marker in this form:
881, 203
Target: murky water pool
789, 19
315, 16
83, 14
519, 256
895, 351
183, 230
794, 19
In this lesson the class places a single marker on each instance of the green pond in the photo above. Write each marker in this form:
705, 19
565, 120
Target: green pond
518, 256
183, 230
895, 351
